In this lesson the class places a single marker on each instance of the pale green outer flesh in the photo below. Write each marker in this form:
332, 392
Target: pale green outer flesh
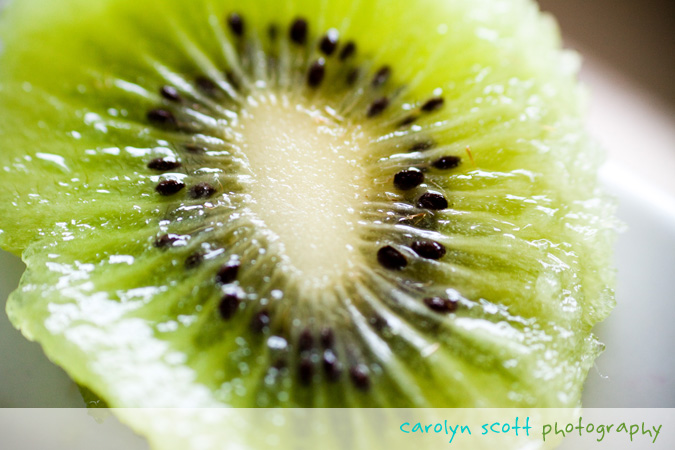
531, 229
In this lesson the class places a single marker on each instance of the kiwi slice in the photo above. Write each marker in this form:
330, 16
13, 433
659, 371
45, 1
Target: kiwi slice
299, 203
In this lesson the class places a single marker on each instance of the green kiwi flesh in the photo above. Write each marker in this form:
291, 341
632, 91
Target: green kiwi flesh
309, 204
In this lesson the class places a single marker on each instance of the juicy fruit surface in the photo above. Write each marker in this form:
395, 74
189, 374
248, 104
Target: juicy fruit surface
242, 277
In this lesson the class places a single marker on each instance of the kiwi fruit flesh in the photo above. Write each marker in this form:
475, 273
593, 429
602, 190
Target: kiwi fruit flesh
303, 204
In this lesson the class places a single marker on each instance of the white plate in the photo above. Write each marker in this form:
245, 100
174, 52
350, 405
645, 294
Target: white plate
636, 370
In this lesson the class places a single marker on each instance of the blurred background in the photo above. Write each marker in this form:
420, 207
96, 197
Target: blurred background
634, 36
628, 48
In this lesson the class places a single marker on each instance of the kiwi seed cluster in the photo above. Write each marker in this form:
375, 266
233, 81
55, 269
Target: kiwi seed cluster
322, 342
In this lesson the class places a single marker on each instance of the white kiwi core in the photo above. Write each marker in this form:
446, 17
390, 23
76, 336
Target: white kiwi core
310, 183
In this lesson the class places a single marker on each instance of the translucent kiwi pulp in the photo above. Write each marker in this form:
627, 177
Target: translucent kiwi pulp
302, 203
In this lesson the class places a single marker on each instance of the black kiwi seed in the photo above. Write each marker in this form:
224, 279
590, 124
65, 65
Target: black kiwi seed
163, 165
331, 366
193, 148
447, 162
329, 42
305, 341
381, 76
236, 24
352, 76
429, 249
202, 190
327, 338
316, 73
206, 85
305, 371
169, 187
441, 305
298, 31
162, 117
359, 376
408, 179
421, 146
228, 273
407, 121
165, 240
170, 93
433, 201
260, 321
378, 322
193, 260
273, 32
390, 258
378, 106
348, 50
433, 104
232, 79
228, 306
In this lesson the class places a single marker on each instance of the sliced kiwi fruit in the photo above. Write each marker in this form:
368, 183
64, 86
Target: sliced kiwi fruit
302, 203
